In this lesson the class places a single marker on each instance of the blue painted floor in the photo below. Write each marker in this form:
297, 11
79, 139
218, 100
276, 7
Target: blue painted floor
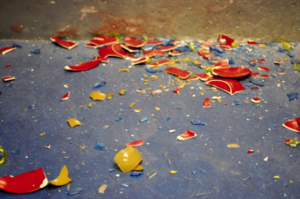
206, 167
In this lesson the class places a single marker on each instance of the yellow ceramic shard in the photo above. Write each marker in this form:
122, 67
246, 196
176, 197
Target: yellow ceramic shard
132, 104
42, 134
143, 92
291, 182
138, 168
262, 46
167, 90
172, 62
110, 95
97, 95
154, 77
73, 122
90, 104
173, 172
235, 44
197, 63
102, 188
233, 145
276, 177
286, 45
128, 159
145, 76
123, 70
157, 108
285, 59
122, 92
137, 110
62, 179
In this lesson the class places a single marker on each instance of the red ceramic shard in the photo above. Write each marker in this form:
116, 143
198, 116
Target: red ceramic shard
175, 53
48, 146
255, 100
206, 103
250, 151
178, 72
224, 64
298, 120
203, 76
187, 135
139, 90
135, 143
264, 76
131, 57
66, 44
103, 41
134, 43
177, 89
159, 63
155, 42
214, 61
192, 78
261, 61
249, 42
66, 96
223, 39
292, 125
282, 73
255, 74
252, 61
101, 59
8, 78
204, 54
233, 72
156, 92
25, 182
254, 87
8, 65
154, 52
90, 45
206, 45
114, 50
167, 48
225, 46
140, 60
129, 49
230, 86
278, 62
263, 68
7, 49
83, 66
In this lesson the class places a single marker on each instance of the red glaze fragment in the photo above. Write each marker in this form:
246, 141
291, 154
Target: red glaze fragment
178, 72
224, 64
203, 76
167, 48
298, 120
249, 42
83, 66
155, 42
114, 50
204, 54
230, 86
223, 39
187, 135
225, 46
129, 49
278, 62
254, 87
175, 53
261, 61
206, 103
255, 100
8, 78
192, 78
154, 52
263, 68
90, 45
292, 125
177, 89
233, 72
255, 74
135, 143
8, 65
66, 96
140, 60
134, 43
250, 151
156, 92
282, 73
139, 90
264, 76
159, 63
103, 41
25, 182
206, 45
66, 44
7, 49
252, 61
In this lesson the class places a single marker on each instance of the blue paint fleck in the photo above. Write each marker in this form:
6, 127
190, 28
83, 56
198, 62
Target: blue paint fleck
100, 146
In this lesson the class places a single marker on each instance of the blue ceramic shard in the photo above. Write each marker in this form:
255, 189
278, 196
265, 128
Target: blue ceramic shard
231, 61
168, 118
198, 122
150, 70
144, 119
99, 84
16, 45
136, 173
74, 191
35, 52
118, 119
100, 146
15, 151
32, 106
293, 96
258, 82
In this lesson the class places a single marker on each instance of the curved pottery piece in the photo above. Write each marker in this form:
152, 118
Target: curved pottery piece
230, 86
233, 72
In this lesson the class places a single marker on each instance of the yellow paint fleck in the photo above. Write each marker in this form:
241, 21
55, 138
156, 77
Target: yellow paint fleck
145, 76
167, 90
219, 100
106, 126
160, 86
123, 70
143, 92
208, 88
233, 145
116, 150
260, 117
137, 110
276, 177
286, 59
149, 89
215, 91
63, 152
291, 182
90, 104
102, 188
42, 134
246, 101
132, 104
122, 92
170, 163
201, 93
262, 46
121, 103
48, 174
173, 172
83, 164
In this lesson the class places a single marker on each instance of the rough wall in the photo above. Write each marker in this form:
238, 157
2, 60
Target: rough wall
262, 20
